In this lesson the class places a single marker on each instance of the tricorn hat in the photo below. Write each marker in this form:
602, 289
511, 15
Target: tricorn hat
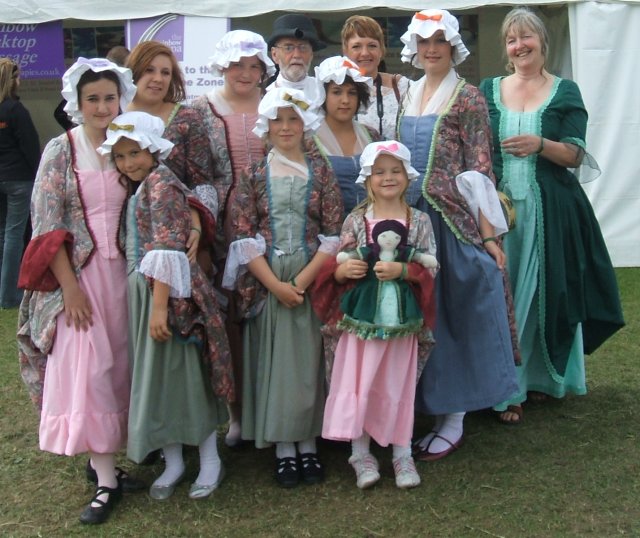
297, 26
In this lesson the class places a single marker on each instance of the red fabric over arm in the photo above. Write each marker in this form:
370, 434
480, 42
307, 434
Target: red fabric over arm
35, 273
207, 221
422, 284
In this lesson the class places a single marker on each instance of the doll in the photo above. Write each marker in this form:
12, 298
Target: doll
377, 309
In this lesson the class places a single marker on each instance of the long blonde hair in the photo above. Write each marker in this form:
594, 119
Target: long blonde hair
9, 73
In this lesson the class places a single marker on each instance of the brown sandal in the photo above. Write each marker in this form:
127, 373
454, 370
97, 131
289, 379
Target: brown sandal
516, 410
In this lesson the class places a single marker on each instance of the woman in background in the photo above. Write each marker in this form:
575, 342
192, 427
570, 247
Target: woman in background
363, 42
19, 156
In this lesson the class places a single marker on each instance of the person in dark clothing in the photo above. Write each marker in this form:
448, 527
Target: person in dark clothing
19, 157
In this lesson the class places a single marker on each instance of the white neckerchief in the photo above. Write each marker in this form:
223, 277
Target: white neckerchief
330, 142
438, 101
221, 105
281, 166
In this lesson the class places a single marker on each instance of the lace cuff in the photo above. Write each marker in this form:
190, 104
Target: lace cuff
208, 195
481, 195
241, 252
329, 245
170, 267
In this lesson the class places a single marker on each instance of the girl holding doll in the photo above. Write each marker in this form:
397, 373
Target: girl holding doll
181, 375
287, 212
72, 325
386, 315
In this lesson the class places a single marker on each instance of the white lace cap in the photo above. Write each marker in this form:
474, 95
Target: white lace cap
426, 23
336, 68
80, 67
282, 98
390, 147
238, 44
141, 127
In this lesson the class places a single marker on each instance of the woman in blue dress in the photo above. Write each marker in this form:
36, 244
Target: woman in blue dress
445, 125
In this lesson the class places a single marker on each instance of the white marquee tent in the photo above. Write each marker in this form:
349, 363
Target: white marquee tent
605, 58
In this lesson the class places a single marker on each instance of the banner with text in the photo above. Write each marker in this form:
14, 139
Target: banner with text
192, 40
37, 48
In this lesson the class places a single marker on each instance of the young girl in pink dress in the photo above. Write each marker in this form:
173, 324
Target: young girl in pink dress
373, 380
73, 318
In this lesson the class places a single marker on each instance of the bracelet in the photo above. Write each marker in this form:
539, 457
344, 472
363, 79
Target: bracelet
403, 274
196, 230
489, 240
541, 145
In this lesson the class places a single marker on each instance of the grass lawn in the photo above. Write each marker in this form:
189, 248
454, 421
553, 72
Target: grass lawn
571, 469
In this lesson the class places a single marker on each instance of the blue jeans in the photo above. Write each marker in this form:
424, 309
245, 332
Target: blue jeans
15, 198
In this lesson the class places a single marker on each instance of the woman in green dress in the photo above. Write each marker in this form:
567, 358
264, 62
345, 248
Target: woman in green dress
565, 291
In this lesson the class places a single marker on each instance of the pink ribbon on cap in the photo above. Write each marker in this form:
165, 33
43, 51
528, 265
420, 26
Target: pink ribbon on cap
388, 147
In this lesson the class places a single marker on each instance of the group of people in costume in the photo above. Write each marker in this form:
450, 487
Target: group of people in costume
311, 257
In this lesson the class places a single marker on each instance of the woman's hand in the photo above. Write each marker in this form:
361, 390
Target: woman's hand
288, 295
351, 269
387, 270
77, 307
158, 326
521, 145
496, 253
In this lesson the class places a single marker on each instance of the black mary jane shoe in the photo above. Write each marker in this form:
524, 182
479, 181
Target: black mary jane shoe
94, 515
312, 469
287, 473
128, 483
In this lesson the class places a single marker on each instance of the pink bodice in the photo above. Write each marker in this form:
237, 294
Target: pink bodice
103, 197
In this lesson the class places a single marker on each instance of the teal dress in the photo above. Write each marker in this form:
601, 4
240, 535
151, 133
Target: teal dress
564, 287
283, 390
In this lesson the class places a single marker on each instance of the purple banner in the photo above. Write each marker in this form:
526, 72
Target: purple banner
37, 48
168, 29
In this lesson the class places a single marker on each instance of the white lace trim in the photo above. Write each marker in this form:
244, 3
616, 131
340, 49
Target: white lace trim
329, 245
241, 252
480, 193
170, 267
209, 197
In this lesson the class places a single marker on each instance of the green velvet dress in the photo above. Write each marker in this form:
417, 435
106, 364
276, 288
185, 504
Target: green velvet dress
564, 287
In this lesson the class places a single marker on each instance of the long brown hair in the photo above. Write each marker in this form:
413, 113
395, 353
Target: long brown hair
141, 57
9, 73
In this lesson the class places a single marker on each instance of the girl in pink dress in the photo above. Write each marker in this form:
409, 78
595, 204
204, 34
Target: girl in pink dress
375, 369
73, 318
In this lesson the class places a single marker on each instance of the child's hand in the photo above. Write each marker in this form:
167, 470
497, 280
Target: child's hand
496, 253
387, 270
77, 307
288, 295
351, 269
192, 243
158, 327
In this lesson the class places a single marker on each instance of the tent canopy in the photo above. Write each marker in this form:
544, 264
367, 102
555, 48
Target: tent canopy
30, 11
